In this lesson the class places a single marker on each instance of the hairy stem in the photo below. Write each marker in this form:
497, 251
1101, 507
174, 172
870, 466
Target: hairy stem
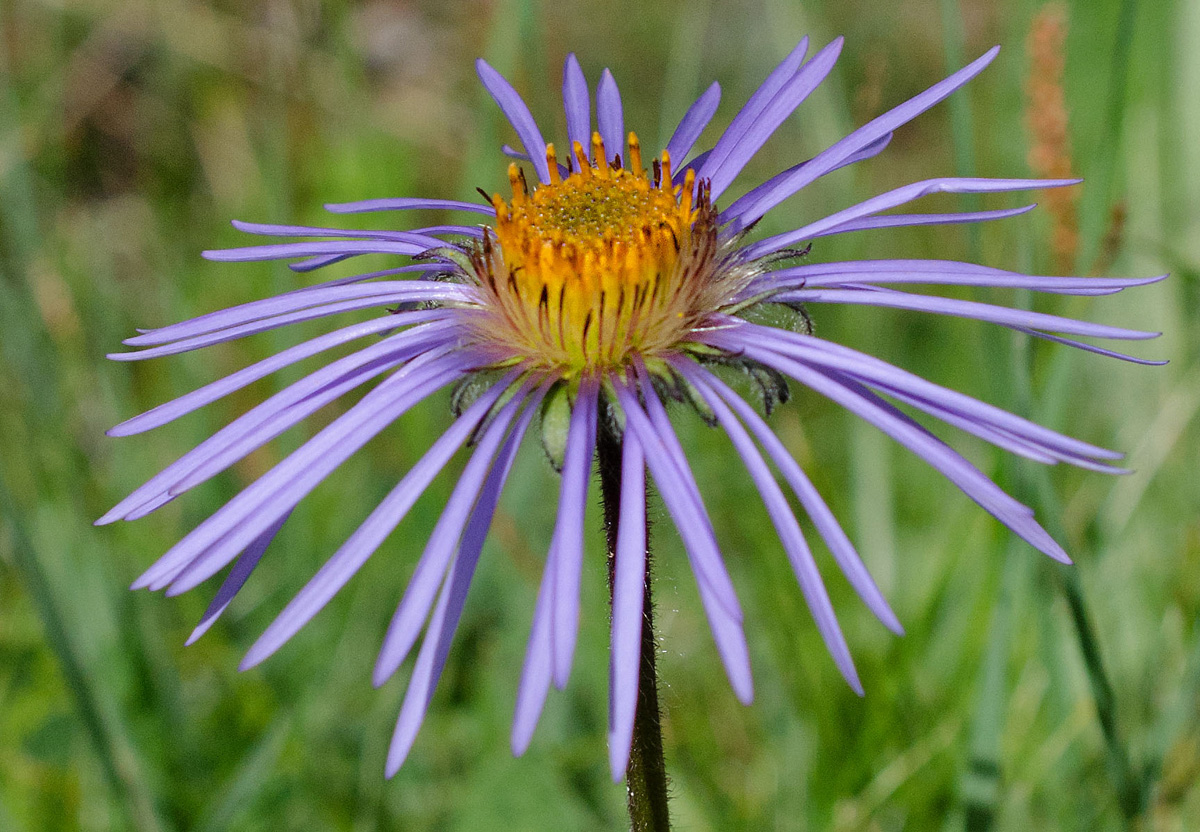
646, 775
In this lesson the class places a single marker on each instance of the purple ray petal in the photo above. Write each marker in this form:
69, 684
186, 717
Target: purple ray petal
942, 457
966, 309
997, 436
512, 153
707, 563
311, 264
269, 419
732, 213
896, 198
790, 535
265, 325
678, 176
290, 302
286, 489
231, 527
721, 172
518, 115
629, 574
696, 532
568, 528
436, 647
610, 118
359, 547
693, 123
407, 203
939, 272
577, 104
754, 106
417, 244
872, 370
843, 551
418, 236
763, 199
172, 410
431, 569
536, 669
1079, 345
236, 579
907, 220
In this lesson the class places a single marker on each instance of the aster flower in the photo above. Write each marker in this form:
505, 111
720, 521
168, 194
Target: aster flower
591, 296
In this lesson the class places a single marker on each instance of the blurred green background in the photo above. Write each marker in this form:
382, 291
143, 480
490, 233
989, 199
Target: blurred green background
1023, 697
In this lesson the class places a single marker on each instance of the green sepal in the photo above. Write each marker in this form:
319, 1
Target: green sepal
556, 422
451, 254
686, 392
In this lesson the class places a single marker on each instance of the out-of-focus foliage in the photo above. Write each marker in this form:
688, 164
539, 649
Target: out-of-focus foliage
130, 132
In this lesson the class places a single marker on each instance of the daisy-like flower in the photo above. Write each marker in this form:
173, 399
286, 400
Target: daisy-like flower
604, 284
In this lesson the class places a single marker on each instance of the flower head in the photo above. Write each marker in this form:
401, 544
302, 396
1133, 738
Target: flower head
613, 282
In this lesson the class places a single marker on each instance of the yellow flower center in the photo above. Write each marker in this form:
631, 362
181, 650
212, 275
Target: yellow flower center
586, 270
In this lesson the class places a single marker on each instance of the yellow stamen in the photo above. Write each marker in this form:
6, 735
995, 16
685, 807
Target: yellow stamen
598, 156
635, 155
591, 268
516, 179
585, 167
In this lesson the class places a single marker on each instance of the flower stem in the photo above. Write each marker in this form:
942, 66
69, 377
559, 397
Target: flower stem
646, 774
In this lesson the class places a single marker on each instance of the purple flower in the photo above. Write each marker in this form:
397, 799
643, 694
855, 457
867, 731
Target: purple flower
593, 295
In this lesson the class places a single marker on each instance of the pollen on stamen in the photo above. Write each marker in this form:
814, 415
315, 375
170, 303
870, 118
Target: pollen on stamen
587, 269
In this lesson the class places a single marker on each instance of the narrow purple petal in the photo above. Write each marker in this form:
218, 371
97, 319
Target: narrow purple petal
536, 669
764, 199
567, 541
358, 548
629, 575
443, 542
694, 528
236, 579
418, 337
577, 104
966, 309
289, 302
870, 151
997, 436
267, 324
722, 172
678, 175
212, 543
417, 244
436, 646
266, 421
693, 123
406, 204
610, 118
755, 105
418, 236
942, 457
513, 153
843, 551
1079, 345
790, 536
690, 506
286, 490
896, 198
518, 115
907, 220
873, 371
311, 264
938, 272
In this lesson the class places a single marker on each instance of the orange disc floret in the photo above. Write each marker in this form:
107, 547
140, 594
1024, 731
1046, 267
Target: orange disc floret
589, 268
